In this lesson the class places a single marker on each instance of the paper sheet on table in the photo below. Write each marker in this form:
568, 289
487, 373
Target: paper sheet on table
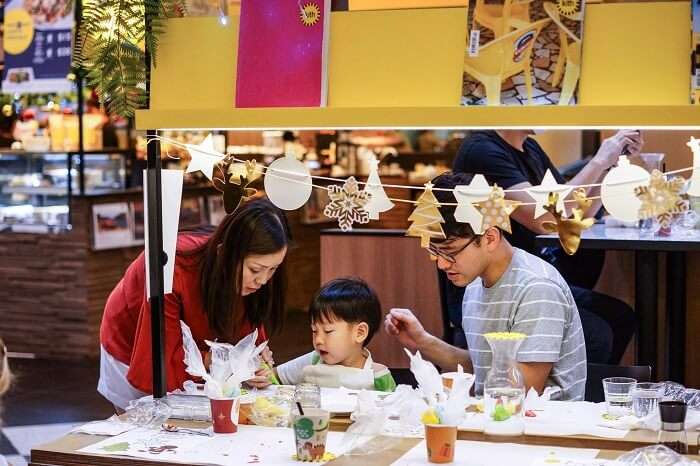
342, 400
577, 462
270, 446
557, 419
111, 427
564, 418
171, 196
469, 453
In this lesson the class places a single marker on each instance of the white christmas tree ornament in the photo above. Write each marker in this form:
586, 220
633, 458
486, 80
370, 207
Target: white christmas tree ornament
694, 189
379, 201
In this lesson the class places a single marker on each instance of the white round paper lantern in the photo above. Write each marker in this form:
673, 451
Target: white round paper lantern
288, 183
617, 190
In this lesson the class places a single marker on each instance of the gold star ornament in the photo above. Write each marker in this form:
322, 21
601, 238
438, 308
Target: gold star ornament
496, 210
661, 199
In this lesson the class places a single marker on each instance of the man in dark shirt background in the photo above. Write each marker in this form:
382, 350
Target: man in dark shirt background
513, 160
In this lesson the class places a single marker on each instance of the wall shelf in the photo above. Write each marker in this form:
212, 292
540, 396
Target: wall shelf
581, 116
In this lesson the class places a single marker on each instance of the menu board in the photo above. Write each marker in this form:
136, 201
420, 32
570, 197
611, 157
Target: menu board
37, 43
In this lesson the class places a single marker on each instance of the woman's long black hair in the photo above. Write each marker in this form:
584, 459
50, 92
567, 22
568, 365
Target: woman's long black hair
256, 227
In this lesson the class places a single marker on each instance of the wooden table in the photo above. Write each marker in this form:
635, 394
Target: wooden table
646, 258
63, 452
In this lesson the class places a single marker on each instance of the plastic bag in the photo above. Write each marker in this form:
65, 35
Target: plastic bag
366, 435
230, 365
148, 412
655, 455
677, 392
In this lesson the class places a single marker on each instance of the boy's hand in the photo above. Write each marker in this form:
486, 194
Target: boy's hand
261, 379
402, 324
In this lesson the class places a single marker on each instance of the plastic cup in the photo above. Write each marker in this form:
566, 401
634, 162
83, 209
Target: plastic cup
224, 415
440, 441
310, 432
618, 395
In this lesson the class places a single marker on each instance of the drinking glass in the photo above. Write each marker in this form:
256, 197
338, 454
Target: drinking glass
646, 397
618, 395
308, 395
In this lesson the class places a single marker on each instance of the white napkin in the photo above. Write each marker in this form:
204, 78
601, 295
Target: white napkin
650, 422
110, 427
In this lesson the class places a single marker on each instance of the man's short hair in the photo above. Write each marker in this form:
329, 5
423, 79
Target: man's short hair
452, 228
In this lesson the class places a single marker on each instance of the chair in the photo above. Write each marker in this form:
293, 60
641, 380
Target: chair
598, 372
569, 54
504, 57
403, 376
501, 19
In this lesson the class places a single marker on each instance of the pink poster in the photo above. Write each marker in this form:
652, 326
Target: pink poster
282, 50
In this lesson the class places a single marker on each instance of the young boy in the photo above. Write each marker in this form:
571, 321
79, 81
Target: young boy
345, 314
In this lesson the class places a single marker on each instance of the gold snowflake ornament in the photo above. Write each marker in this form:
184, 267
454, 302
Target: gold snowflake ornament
347, 204
310, 14
496, 210
661, 199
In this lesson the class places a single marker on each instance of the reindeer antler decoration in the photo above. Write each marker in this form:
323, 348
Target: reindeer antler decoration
235, 188
569, 229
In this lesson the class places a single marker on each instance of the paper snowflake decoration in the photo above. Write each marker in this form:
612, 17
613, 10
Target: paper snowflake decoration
347, 204
661, 199
496, 210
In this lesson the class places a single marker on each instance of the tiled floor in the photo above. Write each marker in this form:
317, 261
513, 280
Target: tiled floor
49, 398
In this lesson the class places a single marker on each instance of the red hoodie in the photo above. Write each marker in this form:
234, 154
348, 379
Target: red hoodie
125, 332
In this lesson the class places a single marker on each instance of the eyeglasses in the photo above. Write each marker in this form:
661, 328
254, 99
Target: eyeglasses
451, 257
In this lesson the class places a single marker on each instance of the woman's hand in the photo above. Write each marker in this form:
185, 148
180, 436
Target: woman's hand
266, 356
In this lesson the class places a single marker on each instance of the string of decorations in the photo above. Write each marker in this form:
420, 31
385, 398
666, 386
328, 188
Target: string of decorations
628, 192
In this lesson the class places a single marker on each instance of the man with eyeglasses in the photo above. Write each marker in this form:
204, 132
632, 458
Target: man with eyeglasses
507, 290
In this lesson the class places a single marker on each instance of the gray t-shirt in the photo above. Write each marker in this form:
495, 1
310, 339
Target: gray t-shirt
531, 297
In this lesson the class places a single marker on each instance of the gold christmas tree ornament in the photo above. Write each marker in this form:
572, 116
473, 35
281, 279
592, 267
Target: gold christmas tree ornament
496, 210
347, 204
426, 218
661, 199
569, 229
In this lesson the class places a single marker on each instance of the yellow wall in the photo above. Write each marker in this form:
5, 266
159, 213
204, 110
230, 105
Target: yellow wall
389, 58
633, 54
636, 53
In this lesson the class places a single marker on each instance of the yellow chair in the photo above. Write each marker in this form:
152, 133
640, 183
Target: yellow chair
569, 54
501, 19
504, 57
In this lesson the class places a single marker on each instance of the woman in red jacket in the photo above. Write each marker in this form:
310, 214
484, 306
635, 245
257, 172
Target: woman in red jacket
225, 286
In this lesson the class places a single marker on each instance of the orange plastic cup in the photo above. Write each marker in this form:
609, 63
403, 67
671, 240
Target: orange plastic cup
440, 441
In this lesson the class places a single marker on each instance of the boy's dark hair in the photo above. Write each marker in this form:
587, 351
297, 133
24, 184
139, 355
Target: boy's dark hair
452, 228
350, 300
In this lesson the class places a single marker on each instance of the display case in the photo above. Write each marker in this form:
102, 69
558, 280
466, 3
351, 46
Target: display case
36, 190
